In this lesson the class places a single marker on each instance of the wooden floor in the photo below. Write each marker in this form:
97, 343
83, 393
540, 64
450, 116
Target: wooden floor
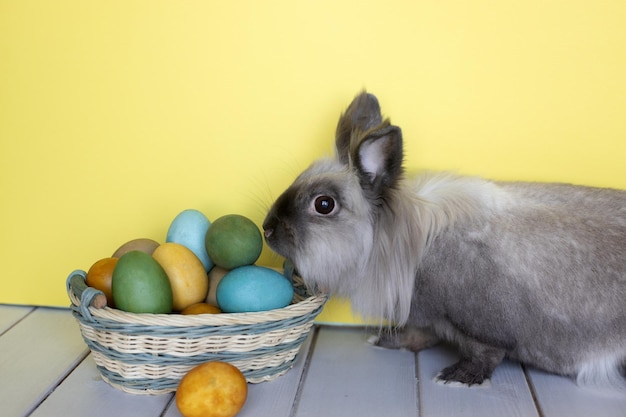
46, 371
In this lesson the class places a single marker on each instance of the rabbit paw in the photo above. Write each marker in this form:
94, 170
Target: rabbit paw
412, 339
465, 373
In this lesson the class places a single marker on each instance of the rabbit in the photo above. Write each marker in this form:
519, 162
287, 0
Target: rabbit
533, 272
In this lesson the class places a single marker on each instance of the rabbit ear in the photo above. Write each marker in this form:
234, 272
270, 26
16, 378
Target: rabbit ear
379, 156
361, 115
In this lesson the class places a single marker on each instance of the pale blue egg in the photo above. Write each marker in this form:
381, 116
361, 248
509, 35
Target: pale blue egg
253, 288
189, 229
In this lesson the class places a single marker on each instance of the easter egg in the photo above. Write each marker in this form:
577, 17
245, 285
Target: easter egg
145, 245
140, 285
253, 288
233, 240
201, 308
212, 389
188, 279
189, 229
215, 276
100, 275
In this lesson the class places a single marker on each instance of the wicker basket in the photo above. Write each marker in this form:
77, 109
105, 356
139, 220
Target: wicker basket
150, 353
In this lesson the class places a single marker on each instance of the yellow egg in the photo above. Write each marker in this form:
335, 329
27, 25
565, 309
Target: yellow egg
186, 273
212, 389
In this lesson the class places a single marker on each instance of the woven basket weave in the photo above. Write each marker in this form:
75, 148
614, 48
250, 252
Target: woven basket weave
150, 353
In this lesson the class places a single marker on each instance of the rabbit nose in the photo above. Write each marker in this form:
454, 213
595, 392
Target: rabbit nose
268, 226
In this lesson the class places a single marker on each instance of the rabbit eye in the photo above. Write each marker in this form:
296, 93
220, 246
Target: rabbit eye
324, 204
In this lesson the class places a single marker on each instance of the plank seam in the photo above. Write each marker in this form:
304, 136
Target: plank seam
57, 383
533, 393
305, 371
171, 403
418, 398
18, 321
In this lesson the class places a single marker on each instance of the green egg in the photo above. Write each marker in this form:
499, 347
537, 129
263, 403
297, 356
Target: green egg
233, 240
140, 285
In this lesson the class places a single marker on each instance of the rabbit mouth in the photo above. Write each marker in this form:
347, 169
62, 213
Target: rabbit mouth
274, 242
267, 233
278, 236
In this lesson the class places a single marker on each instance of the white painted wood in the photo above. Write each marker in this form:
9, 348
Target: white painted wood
348, 377
560, 396
84, 393
9, 315
507, 395
42, 370
35, 355
274, 398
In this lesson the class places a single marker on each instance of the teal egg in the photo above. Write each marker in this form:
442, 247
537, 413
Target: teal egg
189, 229
253, 288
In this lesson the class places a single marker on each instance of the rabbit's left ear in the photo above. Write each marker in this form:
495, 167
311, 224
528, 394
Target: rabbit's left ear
379, 157
361, 115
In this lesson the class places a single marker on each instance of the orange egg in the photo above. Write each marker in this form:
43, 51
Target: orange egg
100, 275
201, 308
212, 389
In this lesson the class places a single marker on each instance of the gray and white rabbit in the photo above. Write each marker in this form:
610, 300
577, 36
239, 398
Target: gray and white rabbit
529, 271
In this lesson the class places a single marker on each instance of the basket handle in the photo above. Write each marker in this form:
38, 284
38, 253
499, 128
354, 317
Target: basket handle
88, 296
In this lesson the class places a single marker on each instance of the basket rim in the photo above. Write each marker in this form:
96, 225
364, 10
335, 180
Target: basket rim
297, 309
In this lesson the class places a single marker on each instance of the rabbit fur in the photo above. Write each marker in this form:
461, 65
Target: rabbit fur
530, 271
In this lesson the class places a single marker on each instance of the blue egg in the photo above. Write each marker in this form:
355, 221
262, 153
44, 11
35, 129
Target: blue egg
189, 229
253, 288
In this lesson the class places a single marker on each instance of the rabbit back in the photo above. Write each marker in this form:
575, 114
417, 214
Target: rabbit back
539, 270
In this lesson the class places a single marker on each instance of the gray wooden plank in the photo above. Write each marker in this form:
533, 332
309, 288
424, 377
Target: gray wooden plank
36, 354
9, 315
347, 376
507, 395
560, 396
84, 393
273, 398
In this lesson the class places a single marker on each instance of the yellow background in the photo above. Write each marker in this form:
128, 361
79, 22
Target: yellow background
117, 115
